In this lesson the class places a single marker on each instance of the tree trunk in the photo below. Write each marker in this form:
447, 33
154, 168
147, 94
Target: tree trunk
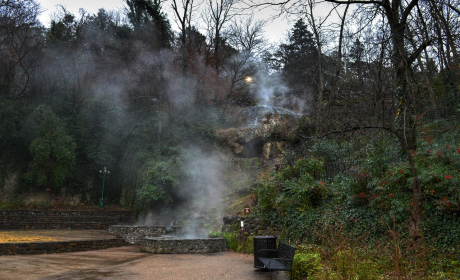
339, 63
316, 31
405, 122
415, 219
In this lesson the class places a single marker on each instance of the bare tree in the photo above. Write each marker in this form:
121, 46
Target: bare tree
316, 25
217, 14
183, 13
246, 38
338, 68
20, 36
248, 35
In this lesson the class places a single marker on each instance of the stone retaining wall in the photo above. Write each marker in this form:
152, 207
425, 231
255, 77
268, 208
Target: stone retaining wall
182, 246
65, 219
252, 226
58, 247
134, 234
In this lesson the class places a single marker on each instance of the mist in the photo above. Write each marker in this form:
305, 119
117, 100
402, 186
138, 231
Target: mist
197, 209
133, 104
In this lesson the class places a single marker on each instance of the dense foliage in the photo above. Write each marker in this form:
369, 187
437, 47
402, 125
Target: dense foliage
370, 200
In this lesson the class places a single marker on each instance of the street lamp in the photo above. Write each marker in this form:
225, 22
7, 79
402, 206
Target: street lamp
103, 174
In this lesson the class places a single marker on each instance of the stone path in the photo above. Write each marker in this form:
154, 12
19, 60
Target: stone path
128, 262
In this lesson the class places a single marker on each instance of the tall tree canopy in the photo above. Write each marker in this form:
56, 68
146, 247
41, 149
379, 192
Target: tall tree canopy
299, 58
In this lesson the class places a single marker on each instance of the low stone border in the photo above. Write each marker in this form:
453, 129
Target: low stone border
162, 245
58, 247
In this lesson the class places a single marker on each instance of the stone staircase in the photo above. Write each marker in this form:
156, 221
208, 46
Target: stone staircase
63, 219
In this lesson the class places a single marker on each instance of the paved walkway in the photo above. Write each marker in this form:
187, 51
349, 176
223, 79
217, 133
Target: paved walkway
128, 262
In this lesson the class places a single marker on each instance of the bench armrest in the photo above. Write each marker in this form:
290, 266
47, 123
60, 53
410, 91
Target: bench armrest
268, 253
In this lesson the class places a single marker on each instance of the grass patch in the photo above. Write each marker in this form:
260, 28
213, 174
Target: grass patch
28, 236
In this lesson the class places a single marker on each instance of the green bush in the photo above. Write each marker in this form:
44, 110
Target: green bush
231, 240
306, 266
353, 264
248, 246
234, 244
292, 192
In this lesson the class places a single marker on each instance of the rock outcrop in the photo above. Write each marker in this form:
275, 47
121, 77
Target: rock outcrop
261, 132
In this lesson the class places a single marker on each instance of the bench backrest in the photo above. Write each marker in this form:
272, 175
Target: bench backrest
285, 251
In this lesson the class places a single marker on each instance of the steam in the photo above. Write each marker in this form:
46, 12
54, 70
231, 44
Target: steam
197, 212
137, 74
270, 90
268, 87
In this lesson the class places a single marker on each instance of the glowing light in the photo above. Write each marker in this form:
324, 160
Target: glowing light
248, 79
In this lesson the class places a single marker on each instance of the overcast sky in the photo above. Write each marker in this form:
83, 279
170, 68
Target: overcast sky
92, 6
275, 31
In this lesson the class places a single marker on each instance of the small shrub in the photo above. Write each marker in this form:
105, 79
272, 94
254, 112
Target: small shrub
306, 265
353, 264
248, 246
231, 240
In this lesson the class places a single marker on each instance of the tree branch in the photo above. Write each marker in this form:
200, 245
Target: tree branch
417, 52
453, 8
265, 4
356, 2
407, 11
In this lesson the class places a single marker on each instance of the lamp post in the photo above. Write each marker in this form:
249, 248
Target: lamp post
103, 174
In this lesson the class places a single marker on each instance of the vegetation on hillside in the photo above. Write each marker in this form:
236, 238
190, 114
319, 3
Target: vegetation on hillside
359, 217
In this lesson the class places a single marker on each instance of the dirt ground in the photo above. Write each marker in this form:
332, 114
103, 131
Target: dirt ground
128, 262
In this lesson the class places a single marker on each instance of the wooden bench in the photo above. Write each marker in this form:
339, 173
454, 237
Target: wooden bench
278, 260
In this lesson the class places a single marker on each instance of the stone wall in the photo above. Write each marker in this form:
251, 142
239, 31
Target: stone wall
252, 226
134, 234
65, 219
58, 247
182, 246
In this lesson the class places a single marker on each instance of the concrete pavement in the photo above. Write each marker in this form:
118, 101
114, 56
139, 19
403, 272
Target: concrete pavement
128, 262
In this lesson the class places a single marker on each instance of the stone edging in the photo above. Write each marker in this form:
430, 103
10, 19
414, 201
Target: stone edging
183, 246
134, 234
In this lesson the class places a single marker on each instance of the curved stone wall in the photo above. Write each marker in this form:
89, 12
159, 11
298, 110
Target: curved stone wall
163, 245
134, 234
